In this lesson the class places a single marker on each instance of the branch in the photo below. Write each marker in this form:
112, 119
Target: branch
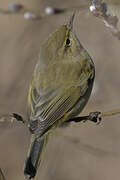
2, 177
100, 10
77, 143
16, 8
95, 117
11, 118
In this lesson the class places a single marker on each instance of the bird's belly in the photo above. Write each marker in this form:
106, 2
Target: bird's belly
82, 101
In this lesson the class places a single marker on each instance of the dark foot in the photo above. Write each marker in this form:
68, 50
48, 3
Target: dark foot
17, 117
94, 117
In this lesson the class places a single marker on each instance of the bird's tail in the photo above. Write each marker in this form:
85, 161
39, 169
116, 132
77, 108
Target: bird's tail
36, 150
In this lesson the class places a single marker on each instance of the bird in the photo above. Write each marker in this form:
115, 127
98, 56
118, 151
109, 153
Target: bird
60, 88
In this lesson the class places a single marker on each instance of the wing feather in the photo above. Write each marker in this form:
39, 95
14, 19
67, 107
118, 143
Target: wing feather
53, 110
47, 105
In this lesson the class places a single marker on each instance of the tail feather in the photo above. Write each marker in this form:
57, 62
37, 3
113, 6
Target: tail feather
34, 157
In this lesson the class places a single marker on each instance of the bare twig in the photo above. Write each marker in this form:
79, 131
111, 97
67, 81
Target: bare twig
100, 9
11, 118
95, 117
78, 143
2, 177
15, 8
110, 113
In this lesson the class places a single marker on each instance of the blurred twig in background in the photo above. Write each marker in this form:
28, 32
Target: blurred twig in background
100, 9
83, 146
15, 8
1, 175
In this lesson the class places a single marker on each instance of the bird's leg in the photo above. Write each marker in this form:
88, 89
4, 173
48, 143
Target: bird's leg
11, 117
18, 117
93, 116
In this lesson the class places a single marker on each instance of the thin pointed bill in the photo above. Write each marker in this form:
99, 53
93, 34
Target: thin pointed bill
70, 22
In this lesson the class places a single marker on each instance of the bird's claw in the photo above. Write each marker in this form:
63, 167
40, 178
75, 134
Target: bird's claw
18, 117
95, 117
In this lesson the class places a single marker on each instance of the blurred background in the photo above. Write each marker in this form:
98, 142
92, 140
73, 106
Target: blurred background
92, 152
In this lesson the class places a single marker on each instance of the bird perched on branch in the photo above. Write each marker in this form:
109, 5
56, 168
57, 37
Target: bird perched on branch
61, 85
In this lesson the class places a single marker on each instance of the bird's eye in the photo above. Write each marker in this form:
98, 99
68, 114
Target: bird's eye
68, 42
